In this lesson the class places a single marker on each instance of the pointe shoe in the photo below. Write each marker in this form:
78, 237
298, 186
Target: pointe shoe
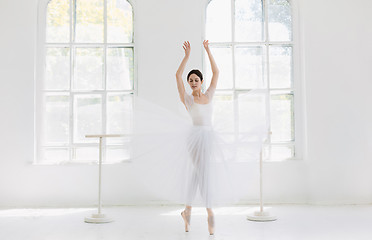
186, 218
211, 224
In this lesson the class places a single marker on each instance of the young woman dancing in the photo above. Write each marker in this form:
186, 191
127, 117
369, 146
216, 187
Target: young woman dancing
201, 139
189, 160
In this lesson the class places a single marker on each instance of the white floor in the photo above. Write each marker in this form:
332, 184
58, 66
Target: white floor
165, 223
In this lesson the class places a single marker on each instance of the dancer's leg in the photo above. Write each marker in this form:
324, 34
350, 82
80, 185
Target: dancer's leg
210, 221
186, 214
192, 185
191, 191
209, 211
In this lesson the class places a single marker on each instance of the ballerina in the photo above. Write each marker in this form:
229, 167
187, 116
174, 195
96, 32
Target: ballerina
200, 108
178, 157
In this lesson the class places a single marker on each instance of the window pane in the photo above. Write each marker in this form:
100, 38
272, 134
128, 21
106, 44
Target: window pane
57, 68
54, 155
119, 21
218, 22
56, 119
248, 20
58, 21
252, 120
223, 58
282, 119
89, 21
280, 20
249, 67
117, 154
119, 115
87, 117
278, 152
223, 112
251, 112
280, 67
88, 69
87, 154
120, 68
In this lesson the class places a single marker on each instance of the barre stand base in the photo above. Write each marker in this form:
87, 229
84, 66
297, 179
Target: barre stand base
261, 216
98, 218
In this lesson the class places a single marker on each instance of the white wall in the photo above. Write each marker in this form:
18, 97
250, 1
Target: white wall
338, 78
336, 70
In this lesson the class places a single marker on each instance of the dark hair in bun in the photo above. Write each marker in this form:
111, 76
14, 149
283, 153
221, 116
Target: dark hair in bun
197, 72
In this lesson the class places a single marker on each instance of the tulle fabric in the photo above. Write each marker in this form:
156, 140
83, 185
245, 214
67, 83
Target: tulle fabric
187, 159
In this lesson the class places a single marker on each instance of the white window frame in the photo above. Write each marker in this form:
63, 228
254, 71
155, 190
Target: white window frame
40, 56
297, 89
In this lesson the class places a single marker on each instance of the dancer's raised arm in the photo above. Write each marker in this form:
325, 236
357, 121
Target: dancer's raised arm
215, 71
181, 68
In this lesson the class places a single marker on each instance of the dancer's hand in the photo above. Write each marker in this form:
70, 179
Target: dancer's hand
187, 48
206, 45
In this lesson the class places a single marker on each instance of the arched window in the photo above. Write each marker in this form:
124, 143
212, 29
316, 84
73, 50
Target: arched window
85, 79
252, 41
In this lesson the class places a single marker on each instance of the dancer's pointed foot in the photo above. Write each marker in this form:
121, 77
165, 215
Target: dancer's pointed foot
186, 218
211, 224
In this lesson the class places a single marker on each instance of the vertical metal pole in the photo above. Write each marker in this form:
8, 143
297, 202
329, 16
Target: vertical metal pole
99, 179
267, 95
100, 217
261, 188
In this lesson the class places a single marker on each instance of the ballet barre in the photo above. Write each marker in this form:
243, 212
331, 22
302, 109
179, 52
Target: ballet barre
261, 216
100, 217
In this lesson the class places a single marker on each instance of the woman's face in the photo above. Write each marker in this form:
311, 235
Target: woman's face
194, 82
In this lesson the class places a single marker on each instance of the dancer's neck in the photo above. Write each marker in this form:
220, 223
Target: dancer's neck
197, 93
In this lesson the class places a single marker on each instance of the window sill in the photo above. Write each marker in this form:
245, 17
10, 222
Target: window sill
84, 163
127, 161
286, 160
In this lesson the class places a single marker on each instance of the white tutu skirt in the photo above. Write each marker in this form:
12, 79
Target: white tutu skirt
189, 164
